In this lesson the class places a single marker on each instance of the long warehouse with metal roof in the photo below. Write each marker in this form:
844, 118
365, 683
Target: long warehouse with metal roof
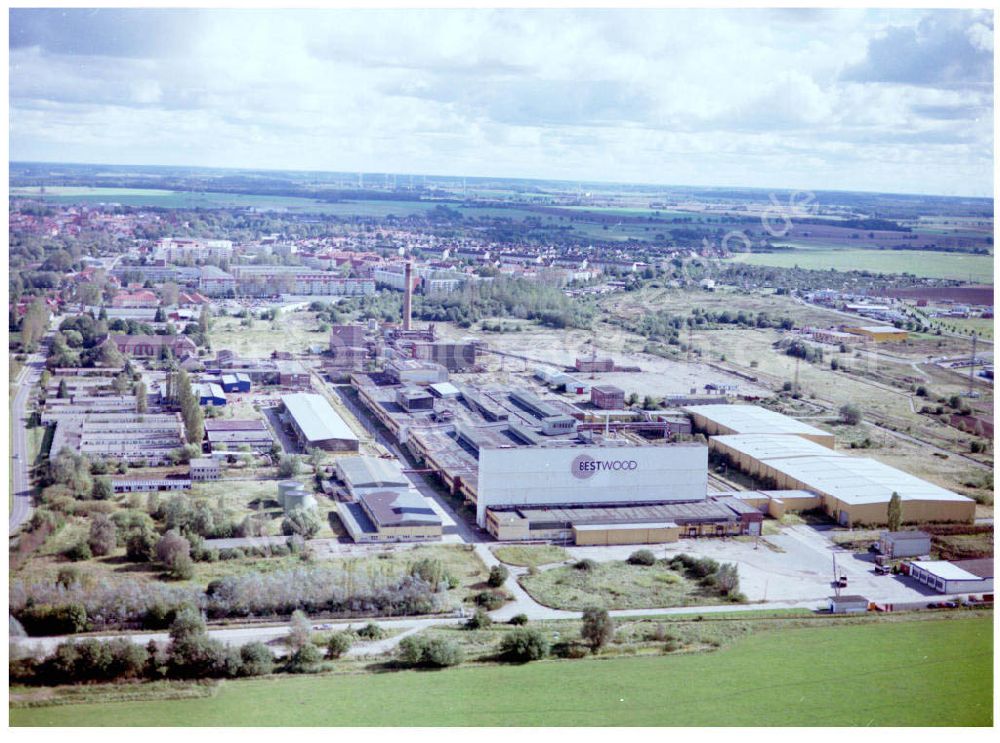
317, 424
723, 420
854, 490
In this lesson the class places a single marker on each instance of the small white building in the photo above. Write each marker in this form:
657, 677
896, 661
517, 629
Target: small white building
848, 604
962, 576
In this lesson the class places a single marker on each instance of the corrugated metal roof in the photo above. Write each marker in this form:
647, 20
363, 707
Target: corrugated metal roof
754, 419
855, 480
366, 472
766, 446
316, 418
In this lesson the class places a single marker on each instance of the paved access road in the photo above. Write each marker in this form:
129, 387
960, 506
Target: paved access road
26, 380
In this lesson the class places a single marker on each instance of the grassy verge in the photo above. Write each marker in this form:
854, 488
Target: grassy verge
530, 555
825, 675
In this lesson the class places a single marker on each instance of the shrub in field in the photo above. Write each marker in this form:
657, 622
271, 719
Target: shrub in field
128, 520
68, 576
429, 652
78, 552
304, 660
141, 545
642, 557
256, 659
302, 522
722, 579
428, 569
598, 628
103, 535
338, 644
586, 564
491, 600
197, 656
479, 620
182, 568
169, 546
498, 574
569, 650
518, 619
522, 645
371, 631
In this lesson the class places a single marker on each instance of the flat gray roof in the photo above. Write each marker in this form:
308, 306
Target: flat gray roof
851, 479
945, 570
366, 472
316, 418
400, 507
754, 419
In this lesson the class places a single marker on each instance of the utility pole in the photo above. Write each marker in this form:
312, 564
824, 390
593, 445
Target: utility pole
972, 366
836, 578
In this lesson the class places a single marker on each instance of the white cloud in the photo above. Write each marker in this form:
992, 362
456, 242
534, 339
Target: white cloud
698, 97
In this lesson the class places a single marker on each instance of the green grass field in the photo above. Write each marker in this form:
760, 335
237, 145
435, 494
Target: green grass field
929, 264
880, 674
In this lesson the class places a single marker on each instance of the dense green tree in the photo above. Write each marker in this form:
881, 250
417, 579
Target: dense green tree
103, 489
894, 515
103, 535
338, 644
598, 628
522, 645
141, 402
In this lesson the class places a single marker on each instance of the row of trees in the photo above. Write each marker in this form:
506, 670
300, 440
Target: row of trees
34, 324
189, 654
349, 589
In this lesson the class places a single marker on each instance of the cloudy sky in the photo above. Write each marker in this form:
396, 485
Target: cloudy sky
863, 100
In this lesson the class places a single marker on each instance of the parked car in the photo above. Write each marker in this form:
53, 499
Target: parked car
883, 569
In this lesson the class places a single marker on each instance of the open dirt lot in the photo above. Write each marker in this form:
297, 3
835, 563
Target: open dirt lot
560, 348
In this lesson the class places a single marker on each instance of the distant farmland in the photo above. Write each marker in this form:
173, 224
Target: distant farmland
929, 264
148, 197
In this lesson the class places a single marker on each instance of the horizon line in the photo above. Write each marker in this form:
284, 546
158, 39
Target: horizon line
536, 179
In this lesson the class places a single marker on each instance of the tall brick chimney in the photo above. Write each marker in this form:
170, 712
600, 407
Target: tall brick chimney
407, 294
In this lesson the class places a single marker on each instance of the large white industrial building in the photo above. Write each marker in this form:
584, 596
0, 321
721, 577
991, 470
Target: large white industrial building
852, 490
584, 475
